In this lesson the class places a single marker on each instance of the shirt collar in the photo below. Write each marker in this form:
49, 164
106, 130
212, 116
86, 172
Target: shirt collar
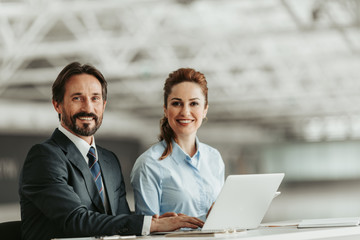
80, 143
179, 155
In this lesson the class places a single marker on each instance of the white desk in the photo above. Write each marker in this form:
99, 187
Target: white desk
269, 233
281, 233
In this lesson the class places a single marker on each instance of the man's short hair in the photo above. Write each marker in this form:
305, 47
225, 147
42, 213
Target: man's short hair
75, 68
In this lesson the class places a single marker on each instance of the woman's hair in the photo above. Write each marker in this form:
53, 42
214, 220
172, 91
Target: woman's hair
176, 77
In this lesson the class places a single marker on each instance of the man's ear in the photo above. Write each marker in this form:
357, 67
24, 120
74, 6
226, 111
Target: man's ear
57, 106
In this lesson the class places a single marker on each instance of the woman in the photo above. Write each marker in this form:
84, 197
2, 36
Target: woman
179, 174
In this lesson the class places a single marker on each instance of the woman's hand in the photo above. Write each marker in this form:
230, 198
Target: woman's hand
167, 214
209, 210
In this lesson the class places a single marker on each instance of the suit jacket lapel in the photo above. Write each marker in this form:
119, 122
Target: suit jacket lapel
106, 168
75, 157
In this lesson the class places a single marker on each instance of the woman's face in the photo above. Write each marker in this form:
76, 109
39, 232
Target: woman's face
185, 109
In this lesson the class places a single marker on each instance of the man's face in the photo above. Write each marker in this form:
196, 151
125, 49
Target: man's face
83, 106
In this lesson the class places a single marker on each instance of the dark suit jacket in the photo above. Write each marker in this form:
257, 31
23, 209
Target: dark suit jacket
59, 198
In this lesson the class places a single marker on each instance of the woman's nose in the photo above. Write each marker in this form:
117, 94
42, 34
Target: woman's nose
185, 110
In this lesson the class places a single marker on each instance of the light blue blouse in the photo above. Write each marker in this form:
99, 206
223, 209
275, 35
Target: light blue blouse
177, 183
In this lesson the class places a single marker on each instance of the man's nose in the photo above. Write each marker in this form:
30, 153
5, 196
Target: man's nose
87, 105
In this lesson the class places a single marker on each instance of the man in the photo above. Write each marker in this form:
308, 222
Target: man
71, 187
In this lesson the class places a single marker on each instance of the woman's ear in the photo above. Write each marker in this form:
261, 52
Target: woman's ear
165, 111
205, 111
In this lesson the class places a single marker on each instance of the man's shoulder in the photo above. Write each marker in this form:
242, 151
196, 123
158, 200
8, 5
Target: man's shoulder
104, 150
58, 143
106, 153
56, 140
47, 145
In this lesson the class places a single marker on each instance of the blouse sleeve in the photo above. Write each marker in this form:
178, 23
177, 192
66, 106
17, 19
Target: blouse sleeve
146, 183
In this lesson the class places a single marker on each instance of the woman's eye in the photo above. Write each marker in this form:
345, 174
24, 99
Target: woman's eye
194, 103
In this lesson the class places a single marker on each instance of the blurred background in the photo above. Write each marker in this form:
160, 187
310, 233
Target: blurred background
283, 78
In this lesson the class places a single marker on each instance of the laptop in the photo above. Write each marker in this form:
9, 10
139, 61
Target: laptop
242, 204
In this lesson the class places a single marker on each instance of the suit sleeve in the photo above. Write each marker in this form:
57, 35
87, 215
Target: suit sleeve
44, 185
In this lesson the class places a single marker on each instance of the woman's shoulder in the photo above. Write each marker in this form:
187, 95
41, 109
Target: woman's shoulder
153, 153
207, 148
211, 154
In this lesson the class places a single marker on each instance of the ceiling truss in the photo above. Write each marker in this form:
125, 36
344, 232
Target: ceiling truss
274, 65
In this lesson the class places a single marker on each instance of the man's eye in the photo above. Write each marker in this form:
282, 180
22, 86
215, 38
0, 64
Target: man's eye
175, 104
76, 98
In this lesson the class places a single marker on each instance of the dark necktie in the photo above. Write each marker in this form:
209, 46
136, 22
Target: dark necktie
95, 170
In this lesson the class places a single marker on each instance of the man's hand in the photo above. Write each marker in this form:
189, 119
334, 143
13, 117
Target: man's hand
172, 221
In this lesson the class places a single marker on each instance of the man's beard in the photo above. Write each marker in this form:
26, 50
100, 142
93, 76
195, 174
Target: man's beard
85, 129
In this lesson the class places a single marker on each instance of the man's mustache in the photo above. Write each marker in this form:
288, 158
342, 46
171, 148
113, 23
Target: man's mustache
84, 114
